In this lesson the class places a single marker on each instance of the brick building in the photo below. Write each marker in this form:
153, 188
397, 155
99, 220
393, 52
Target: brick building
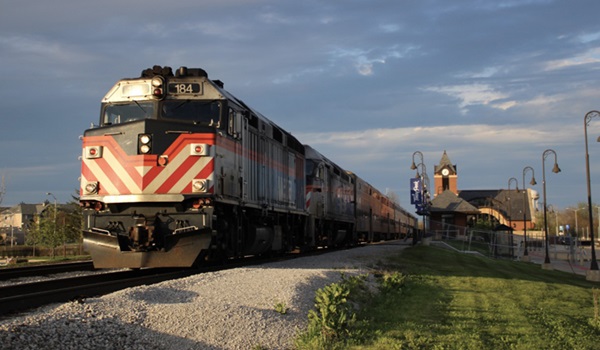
512, 208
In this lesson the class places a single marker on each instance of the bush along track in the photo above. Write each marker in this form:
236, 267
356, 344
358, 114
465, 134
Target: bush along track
335, 322
428, 298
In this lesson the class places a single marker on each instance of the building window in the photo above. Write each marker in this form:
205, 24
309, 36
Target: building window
445, 183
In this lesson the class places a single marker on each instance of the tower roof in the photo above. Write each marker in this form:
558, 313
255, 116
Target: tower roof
445, 163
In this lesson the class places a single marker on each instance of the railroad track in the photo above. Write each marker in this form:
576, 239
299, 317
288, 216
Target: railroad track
18, 298
22, 297
44, 270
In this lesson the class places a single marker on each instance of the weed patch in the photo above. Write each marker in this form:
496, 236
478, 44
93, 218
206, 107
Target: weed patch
430, 298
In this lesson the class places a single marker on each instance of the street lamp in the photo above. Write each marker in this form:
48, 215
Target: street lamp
512, 179
413, 166
525, 206
593, 273
50, 194
424, 183
546, 265
576, 226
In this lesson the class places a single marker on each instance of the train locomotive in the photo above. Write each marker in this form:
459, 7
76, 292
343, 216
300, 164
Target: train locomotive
179, 171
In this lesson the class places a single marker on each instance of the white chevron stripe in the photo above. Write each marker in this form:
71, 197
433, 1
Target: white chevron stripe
121, 172
195, 169
105, 182
174, 164
143, 170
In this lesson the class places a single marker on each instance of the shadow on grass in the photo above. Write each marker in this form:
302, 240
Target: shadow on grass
436, 261
463, 301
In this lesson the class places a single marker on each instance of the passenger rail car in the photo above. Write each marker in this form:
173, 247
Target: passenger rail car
378, 217
329, 200
179, 171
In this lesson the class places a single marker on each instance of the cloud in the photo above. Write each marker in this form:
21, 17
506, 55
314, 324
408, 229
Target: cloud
588, 57
474, 94
33, 48
515, 77
364, 60
478, 136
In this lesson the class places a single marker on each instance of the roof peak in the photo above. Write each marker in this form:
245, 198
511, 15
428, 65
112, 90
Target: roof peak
445, 163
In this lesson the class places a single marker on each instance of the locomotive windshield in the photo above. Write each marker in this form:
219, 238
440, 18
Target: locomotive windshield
121, 113
199, 112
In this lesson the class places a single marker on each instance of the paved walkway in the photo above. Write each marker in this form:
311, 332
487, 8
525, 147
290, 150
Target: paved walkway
580, 268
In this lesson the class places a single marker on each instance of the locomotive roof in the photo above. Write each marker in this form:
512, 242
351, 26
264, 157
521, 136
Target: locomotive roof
217, 88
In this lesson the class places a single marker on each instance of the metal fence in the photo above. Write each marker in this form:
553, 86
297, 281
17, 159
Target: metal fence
508, 245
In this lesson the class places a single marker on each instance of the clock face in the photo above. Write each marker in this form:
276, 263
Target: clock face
445, 172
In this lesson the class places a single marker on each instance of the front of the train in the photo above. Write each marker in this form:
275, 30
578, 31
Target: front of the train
147, 178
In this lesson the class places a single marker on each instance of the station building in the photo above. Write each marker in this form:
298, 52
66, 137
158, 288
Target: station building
512, 208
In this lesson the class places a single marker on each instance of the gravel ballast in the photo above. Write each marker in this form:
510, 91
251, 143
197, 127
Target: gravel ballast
230, 309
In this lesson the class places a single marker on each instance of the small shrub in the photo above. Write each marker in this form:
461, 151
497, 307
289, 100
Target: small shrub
392, 282
334, 317
281, 308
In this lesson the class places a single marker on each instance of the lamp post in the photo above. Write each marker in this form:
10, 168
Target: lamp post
50, 194
512, 179
546, 265
424, 185
525, 206
576, 226
593, 273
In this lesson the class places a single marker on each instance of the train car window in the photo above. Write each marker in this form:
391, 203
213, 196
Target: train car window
127, 112
230, 122
277, 135
198, 112
239, 116
253, 121
320, 172
234, 123
309, 167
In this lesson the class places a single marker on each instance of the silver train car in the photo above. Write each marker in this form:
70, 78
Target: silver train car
179, 171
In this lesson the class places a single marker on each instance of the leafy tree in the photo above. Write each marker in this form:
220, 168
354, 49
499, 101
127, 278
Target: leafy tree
483, 224
74, 222
45, 231
57, 226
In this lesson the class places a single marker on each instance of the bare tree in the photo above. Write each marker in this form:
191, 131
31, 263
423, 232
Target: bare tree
2, 189
393, 196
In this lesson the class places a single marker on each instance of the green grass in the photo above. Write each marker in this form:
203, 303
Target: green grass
458, 301
481, 247
40, 260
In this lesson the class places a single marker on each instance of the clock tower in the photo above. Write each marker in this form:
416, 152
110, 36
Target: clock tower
445, 176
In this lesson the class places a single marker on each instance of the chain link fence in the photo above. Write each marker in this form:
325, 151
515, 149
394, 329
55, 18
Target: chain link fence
508, 245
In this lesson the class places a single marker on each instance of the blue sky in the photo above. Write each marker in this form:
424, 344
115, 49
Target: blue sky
367, 83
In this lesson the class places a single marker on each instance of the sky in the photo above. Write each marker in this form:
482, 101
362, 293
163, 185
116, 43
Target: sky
366, 82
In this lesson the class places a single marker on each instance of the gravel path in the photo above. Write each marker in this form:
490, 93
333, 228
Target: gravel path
232, 309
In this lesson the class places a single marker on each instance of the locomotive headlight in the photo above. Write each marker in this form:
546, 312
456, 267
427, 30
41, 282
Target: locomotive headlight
91, 187
145, 149
145, 139
157, 84
144, 143
199, 185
